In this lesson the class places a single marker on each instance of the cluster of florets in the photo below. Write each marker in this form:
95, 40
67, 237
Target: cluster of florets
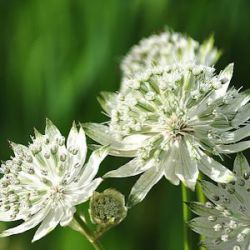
159, 100
172, 114
44, 182
178, 110
224, 220
167, 48
107, 208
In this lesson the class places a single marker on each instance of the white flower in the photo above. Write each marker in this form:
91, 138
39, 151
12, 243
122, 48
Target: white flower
225, 219
44, 182
189, 116
165, 49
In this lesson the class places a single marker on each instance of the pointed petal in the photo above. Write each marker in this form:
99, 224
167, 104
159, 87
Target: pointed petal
242, 116
241, 165
235, 136
186, 168
6, 217
170, 166
107, 101
215, 170
67, 216
238, 103
130, 146
77, 140
201, 210
27, 225
99, 133
102, 135
49, 223
38, 135
221, 195
203, 226
233, 148
132, 168
113, 152
144, 184
80, 194
226, 76
51, 130
208, 54
244, 98
227, 73
92, 166
18, 148
210, 190
135, 139
234, 109
122, 153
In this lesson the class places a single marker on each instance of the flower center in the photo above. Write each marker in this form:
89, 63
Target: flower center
176, 126
57, 193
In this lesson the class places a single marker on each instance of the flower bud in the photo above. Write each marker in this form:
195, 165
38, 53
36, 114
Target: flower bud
107, 208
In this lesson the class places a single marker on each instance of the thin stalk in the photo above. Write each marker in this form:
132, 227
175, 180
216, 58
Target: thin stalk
199, 192
201, 198
85, 231
186, 217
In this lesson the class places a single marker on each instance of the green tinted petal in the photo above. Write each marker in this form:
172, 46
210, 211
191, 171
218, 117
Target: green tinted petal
107, 101
233, 148
215, 170
241, 165
143, 185
132, 168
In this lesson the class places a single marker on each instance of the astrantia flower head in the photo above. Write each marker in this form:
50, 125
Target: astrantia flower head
165, 49
172, 120
225, 219
44, 182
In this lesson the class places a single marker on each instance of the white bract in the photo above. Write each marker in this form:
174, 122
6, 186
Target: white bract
165, 49
225, 219
172, 121
44, 182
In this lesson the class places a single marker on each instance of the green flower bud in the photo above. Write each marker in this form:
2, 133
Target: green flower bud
107, 208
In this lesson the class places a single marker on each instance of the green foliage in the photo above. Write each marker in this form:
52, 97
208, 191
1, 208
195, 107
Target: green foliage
57, 55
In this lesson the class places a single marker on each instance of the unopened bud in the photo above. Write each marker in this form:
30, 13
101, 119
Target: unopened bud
107, 208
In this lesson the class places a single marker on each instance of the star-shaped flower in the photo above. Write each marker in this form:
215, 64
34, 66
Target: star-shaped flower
225, 219
172, 121
44, 182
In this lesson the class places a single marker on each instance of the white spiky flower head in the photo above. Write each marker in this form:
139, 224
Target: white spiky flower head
44, 182
165, 49
225, 219
172, 121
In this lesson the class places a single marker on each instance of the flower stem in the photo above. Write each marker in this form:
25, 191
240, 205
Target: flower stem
186, 217
201, 198
79, 225
199, 192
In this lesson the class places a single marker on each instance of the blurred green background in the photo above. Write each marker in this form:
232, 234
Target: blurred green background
57, 55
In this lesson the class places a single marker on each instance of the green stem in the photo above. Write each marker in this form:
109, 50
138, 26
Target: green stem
79, 225
186, 218
199, 192
101, 230
201, 198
